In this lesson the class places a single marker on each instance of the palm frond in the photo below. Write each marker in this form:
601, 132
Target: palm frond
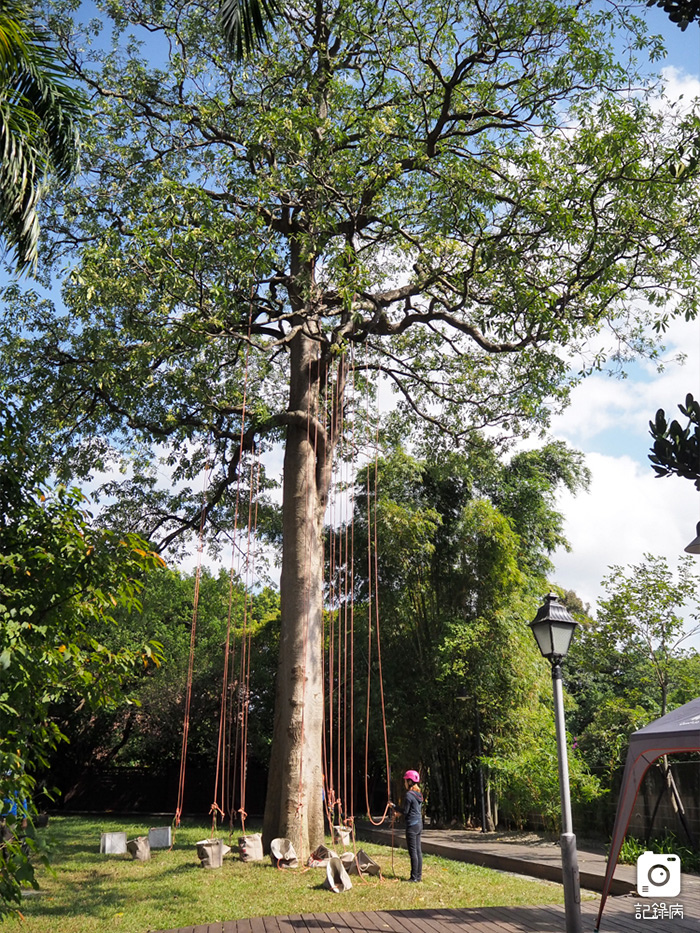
13, 36
20, 185
39, 117
245, 23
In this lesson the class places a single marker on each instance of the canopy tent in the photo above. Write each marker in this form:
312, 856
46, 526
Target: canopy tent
677, 731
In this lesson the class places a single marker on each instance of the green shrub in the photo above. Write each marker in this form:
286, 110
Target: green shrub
668, 845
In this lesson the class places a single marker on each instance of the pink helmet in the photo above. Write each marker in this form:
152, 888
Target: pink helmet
412, 776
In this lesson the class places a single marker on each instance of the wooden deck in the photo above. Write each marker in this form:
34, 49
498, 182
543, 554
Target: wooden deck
620, 917
624, 913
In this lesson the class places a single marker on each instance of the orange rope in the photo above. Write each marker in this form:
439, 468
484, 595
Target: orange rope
337, 698
373, 609
352, 611
327, 666
348, 610
310, 484
247, 636
221, 757
338, 748
190, 663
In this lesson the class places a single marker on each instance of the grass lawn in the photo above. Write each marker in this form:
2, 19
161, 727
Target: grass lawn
85, 891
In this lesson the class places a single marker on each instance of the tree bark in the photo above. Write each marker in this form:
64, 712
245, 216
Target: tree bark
294, 803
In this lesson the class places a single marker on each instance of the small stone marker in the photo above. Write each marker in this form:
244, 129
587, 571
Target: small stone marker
160, 837
113, 844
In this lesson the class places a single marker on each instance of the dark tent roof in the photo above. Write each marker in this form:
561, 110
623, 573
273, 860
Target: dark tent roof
677, 731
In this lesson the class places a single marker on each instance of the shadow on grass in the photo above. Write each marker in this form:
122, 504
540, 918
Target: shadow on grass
101, 897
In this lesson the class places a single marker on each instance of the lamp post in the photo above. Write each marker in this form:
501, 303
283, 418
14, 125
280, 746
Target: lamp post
553, 628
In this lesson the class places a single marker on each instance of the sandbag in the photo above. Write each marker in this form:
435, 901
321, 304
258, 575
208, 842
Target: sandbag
342, 834
361, 864
211, 852
282, 854
139, 848
319, 857
251, 847
337, 878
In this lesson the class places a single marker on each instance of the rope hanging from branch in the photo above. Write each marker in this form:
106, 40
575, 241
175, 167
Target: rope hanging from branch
190, 663
373, 623
224, 783
339, 673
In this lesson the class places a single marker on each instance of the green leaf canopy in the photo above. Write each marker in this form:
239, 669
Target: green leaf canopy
452, 192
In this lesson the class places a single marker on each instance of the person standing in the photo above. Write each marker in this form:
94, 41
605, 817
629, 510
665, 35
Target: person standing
412, 810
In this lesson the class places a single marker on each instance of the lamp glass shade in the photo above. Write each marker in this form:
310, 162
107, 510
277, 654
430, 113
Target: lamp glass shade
694, 546
553, 628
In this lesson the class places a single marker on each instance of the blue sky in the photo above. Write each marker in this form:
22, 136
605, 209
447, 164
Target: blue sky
628, 511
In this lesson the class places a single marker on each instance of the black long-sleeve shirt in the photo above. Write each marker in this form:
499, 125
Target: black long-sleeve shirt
412, 812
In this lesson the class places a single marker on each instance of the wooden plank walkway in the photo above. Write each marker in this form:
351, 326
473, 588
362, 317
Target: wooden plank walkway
624, 913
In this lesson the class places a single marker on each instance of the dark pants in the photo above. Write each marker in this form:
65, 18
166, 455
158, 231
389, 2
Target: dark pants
415, 852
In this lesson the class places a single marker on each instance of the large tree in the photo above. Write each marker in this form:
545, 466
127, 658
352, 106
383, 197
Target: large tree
453, 195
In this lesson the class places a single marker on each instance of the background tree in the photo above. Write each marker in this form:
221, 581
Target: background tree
39, 116
643, 612
525, 773
681, 12
437, 192
455, 588
608, 683
146, 732
246, 23
60, 575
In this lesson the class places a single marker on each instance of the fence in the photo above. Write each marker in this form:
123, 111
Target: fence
143, 790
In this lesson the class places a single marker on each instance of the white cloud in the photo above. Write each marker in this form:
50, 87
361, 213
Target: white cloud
679, 85
627, 513
602, 402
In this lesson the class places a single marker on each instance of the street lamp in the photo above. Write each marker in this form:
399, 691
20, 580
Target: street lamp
553, 628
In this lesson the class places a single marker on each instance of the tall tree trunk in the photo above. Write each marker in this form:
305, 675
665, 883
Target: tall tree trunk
294, 804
